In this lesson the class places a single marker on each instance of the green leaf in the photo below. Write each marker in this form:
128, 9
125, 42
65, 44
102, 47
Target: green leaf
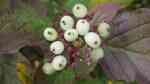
101, 77
119, 82
95, 81
123, 2
8, 69
70, 3
93, 3
134, 82
55, 7
64, 77
39, 23
26, 14
4, 4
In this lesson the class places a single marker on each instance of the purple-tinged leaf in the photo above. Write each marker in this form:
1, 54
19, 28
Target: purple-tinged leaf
104, 12
127, 54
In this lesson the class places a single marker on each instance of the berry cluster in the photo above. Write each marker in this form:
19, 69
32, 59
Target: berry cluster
76, 34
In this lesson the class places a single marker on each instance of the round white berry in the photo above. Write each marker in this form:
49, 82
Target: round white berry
97, 54
59, 62
71, 35
66, 22
83, 27
92, 39
48, 69
79, 10
57, 47
50, 34
104, 29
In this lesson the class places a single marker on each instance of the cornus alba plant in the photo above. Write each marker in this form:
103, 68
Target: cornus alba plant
77, 33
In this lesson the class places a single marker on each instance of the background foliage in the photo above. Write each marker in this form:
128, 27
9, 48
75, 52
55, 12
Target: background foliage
27, 12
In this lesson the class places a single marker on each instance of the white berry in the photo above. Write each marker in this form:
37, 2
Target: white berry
97, 54
50, 34
66, 22
79, 10
71, 35
57, 47
83, 27
92, 39
48, 69
103, 29
59, 62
